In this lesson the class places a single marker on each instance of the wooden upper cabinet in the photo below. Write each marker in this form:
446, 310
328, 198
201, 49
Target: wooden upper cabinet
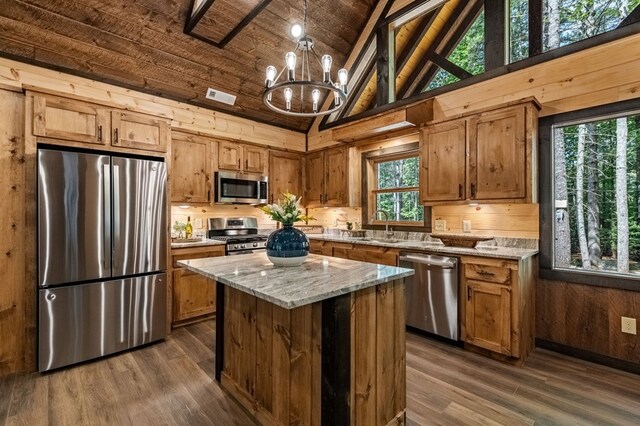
71, 120
497, 155
335, 182
242, 158
229, 156
190, 169
255, 159
314, 179
285, 174
442, 162
139, 131
487, 156
76, 121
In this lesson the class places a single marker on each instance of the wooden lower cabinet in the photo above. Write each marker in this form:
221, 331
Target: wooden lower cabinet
360, 252
339, 361
497, 305
194, 296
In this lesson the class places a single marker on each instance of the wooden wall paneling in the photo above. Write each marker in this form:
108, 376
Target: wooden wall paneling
18, 76
587, 318
13, 246
602, 67
500, 220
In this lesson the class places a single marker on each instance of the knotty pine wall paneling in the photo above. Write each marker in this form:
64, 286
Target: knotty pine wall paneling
12, 225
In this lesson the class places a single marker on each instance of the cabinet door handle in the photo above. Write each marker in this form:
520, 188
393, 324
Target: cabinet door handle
100, 133
115, 136
459, 190
238, 164
473, 190
486, 273
246, 164
468, 293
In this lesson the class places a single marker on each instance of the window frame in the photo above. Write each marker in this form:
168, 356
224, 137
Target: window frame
547, 195
369, 182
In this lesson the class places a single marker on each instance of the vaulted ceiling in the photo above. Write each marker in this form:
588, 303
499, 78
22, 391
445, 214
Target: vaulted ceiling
141, 44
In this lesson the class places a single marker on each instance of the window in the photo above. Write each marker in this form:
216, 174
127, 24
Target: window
596, 194
395, 188
569, 21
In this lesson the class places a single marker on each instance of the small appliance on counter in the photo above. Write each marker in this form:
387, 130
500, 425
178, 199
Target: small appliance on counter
241, 188
239, 233
102, 254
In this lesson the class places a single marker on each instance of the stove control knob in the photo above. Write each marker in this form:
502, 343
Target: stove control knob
255, 244
243, 246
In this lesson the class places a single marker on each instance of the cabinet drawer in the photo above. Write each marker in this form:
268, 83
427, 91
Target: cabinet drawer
492, 274
185, 254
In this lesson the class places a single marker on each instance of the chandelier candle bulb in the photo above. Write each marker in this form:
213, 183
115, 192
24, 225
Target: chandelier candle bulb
290, 59
343, 77
326, 66
288, 95
315, 95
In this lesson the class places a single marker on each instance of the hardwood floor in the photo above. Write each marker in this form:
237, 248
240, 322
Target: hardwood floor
171, 383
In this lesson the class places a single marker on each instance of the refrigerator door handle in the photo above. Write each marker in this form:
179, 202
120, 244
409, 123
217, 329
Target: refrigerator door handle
116, 216
106, 216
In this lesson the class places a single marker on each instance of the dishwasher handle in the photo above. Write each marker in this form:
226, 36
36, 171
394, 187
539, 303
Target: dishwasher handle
425, 261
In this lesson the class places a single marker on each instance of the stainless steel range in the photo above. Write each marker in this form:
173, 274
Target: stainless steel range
240, 234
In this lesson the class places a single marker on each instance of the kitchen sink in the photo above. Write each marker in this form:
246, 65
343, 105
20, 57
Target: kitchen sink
382, 240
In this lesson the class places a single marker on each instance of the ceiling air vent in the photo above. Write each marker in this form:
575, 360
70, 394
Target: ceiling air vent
218, 96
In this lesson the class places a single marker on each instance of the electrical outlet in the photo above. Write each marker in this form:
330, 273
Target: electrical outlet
466, 226
198, 223
629, 325
440, 225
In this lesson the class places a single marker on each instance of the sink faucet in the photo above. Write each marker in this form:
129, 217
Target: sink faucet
387, 233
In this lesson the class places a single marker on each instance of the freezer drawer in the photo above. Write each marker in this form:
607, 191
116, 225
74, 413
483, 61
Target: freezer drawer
81, 322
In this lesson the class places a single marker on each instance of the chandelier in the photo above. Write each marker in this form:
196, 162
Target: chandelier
310, 92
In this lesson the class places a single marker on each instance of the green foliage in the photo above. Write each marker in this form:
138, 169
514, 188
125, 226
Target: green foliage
468, 54
605, 138
401, 205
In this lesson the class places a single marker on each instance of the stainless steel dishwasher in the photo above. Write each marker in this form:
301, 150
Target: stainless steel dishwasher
432, 293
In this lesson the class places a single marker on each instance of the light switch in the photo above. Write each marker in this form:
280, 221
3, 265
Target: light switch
198, 223
466, 226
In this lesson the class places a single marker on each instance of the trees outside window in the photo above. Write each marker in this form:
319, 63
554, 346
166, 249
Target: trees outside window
395, 190
597, 195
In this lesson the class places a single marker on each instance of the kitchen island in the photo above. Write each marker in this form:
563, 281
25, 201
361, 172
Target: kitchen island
322, 343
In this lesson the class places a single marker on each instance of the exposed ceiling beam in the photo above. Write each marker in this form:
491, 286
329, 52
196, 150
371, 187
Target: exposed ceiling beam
449, 66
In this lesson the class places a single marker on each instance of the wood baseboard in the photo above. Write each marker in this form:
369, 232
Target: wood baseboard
616, 363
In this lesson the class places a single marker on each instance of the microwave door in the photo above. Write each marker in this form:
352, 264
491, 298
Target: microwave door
139, 216
74, 218
241, 189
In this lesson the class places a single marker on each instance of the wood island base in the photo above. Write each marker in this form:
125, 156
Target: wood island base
341, 361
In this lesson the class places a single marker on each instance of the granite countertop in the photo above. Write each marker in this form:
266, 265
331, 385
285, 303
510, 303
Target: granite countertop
497, 252
203, 243
319, 278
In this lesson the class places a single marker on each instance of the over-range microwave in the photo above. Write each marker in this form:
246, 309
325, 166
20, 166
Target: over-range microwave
241, 188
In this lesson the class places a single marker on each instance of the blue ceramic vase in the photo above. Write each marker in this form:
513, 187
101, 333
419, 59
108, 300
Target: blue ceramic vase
287, 246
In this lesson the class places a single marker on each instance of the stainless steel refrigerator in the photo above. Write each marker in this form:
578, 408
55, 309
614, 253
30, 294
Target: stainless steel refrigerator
102, 252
